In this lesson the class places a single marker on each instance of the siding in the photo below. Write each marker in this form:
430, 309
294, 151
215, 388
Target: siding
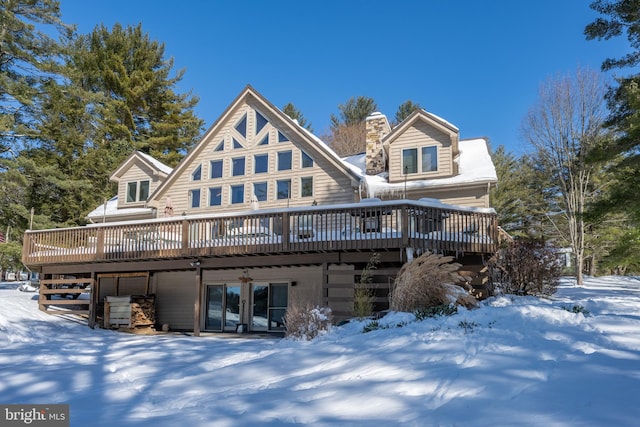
329, 185
137, 172
473, 196
175, 297
418, 136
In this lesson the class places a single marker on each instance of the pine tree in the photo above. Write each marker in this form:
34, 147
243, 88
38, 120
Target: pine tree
291, 111
405, 109
28, 58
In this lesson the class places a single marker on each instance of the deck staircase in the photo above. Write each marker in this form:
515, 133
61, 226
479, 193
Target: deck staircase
65, 295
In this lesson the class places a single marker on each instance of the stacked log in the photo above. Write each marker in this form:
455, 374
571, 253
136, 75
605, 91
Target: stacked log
143, 311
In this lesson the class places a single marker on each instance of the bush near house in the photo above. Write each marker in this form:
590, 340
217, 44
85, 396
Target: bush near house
305, 322
526, 267
431, 280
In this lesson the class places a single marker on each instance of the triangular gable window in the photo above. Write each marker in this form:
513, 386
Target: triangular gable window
236, 144
282, 137
220, 146
242, 126
261, 122
265, 140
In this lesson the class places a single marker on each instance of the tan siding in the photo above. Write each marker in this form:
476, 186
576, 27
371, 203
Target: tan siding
328, 189
473, 196
175, 298
418, 136
137, 172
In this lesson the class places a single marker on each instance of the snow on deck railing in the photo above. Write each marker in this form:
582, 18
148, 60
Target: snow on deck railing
369, 225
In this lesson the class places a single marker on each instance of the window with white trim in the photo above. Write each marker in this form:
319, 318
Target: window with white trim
137, 191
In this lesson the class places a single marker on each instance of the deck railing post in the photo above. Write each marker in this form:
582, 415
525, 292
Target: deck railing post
185, 237
100, 244
404, 217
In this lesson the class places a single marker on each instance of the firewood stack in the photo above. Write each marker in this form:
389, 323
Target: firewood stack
143, 311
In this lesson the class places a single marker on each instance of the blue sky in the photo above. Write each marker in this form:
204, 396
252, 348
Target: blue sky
477, 64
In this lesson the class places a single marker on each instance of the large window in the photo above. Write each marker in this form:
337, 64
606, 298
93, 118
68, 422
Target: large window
137, 191
306, 186
241, 127
216, 168
410, 160
237, 166
194, 198
284, 189
284, 160
215, 196
261, 163
196, 175
260, 191
261, 122
237, 194
429, 159
307, 161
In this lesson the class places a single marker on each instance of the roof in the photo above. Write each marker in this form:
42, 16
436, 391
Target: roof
250, 95
474, 167
110, 209
145, 158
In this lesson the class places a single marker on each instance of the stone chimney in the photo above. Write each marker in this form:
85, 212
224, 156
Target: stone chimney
377, 127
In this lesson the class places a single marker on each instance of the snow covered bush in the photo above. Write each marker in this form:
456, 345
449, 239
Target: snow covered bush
305, 322
431, 280
526, 267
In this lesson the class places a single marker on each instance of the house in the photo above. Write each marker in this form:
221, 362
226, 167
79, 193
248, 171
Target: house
262, 214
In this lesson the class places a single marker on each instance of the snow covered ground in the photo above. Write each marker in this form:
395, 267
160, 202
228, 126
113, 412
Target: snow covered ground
516, 361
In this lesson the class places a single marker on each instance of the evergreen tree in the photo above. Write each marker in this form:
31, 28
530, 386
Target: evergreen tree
291, 111
28, 58
405, 109
143, 109
623, 16
520, 196
354, 111
347, 134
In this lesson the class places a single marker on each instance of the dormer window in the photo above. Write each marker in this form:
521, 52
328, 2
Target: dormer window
410, 161
426, 157
137, 191
429, 159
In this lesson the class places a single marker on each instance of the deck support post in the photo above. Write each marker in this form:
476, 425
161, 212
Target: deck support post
196, 305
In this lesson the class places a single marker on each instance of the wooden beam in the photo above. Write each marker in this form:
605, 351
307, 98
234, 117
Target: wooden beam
196, 305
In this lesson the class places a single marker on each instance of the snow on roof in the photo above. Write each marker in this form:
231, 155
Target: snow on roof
474, 166
438, 118
156, 163
110, 208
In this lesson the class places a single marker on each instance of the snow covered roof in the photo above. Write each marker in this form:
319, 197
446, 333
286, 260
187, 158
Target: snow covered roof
110, 209
156, 163
474, 166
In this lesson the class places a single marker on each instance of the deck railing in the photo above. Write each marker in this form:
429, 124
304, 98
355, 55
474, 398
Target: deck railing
360, 226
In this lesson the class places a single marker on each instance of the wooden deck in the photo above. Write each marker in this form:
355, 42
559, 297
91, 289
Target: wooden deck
376, 226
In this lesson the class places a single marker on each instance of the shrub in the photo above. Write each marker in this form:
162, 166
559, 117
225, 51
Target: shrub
306, 322
427, 281
438, 310
362, 295
526, 267
577, 309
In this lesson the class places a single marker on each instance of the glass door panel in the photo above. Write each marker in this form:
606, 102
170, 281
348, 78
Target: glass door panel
260, 307
213, 320
278, 300
232, 307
